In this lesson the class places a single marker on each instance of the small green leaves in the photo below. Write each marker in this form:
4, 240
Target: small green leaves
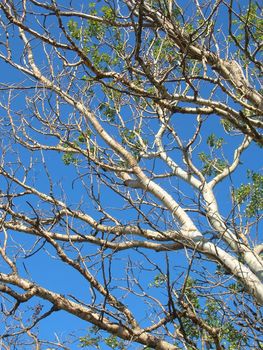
159, 280
227, 125
128, 135
115, 343
74, 29
251, 194
242, 194
108, 13
88, 341
213, 163
167, 50
214, 141
212, 166
250, 21
108, 111
81, 138
131, 138
190, 292
68, 158
94, 339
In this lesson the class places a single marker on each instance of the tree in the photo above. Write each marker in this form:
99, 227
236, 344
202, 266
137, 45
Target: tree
123, 126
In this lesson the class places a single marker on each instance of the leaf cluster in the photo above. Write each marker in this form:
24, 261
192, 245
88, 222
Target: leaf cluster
212, 313
251, 194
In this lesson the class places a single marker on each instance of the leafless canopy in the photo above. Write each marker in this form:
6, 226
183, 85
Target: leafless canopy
124, 202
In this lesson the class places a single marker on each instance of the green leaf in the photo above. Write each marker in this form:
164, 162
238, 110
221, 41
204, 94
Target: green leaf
159, 280
68, 158
251, 194
108, 13
214, 141
88, 341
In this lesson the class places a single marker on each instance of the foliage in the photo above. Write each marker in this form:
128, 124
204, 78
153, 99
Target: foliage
251, 194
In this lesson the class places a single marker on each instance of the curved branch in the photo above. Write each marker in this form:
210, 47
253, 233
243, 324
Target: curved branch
87, 314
